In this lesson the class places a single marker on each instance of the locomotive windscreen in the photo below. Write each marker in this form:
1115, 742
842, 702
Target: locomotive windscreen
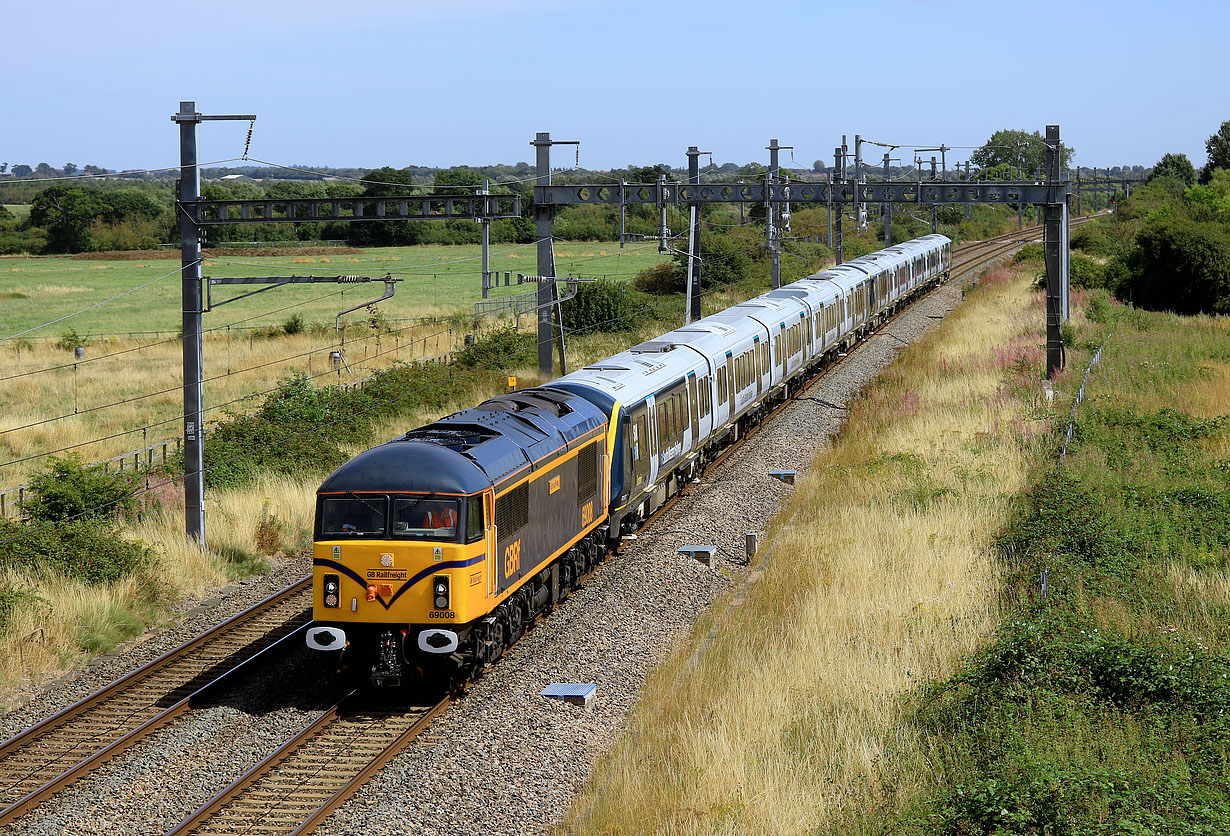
353, 517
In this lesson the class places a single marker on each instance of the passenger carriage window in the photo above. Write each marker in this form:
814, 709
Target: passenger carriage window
475, 524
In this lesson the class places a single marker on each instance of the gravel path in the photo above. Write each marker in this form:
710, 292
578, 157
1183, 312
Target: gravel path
502, 760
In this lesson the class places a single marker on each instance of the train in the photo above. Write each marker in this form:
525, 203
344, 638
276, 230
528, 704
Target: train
435, 551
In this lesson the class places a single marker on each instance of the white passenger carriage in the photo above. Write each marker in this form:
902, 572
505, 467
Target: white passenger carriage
678, 399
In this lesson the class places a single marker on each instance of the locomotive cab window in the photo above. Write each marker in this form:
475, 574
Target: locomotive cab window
475, 524
425, 519
353, 516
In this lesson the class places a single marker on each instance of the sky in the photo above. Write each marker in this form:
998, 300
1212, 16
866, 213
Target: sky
375, 82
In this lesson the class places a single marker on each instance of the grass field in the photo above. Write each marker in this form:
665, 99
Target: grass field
70, 405
436, 280
19, 211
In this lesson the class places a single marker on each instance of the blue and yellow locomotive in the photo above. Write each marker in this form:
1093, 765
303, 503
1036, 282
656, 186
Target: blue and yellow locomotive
437, 549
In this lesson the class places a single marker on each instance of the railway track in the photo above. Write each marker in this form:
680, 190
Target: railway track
315, 772
46, 758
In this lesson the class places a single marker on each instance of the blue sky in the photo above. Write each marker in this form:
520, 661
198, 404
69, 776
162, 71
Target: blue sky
372, 82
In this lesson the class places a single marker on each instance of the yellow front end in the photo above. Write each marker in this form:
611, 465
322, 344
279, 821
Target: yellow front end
391, 582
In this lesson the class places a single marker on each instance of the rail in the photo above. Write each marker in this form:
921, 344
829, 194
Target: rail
45, 758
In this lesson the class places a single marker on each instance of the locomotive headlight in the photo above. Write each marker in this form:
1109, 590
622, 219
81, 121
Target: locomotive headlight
331, 587
439, 591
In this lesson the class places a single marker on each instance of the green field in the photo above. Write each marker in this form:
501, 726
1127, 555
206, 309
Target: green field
436, 280
19, 210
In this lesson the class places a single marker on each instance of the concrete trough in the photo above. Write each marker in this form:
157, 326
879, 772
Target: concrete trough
575, 693
786, 476
704, 554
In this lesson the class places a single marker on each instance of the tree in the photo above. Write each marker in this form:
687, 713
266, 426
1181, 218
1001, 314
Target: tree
457, 180
649, 173
1218, 148
70, 169
44, 170
1177, 166
818, 166
386, 182
66, 212
21, 170
1017, 148
1182, 266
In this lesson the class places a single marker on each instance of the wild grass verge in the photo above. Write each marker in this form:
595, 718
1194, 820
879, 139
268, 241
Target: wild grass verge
786, 712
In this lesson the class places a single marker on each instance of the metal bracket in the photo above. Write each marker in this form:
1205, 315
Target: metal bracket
273, 282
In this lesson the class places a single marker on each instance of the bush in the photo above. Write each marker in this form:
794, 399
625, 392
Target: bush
1030, 254
505, 349
293, 325
605, 305
724, 261
1091, 239
84, 550
66, 489
1084, 272
660, 280
297, 430
69, 340
10, 599
1182, 266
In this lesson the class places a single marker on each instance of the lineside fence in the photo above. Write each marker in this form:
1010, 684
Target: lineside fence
155, 456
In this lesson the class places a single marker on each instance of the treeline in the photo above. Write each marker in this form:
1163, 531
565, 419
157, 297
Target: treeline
1167, 247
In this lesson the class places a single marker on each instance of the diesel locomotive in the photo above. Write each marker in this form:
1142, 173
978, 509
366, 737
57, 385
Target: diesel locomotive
435, 551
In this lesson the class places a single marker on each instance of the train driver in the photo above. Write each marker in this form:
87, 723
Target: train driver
439, 515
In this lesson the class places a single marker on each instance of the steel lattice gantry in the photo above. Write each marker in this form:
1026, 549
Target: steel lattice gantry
1051, 191
818, 193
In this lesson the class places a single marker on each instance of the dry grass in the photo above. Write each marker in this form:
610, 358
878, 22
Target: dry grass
235, 367
877, 577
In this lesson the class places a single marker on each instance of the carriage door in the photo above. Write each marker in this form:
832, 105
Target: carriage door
784, 343
758, 364
692, 406
639, 445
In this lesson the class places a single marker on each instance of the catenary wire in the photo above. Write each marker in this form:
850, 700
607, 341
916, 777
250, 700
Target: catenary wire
119, 173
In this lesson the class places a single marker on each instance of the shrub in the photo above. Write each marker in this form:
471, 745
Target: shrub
67, 489
1084, 272
293, 325
85, 550
10, 599
1091, 239
69, 340
504, 349
660, 280
724, 261
1099, 310
1030, 254
605, 305
1182, 266
269, 531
